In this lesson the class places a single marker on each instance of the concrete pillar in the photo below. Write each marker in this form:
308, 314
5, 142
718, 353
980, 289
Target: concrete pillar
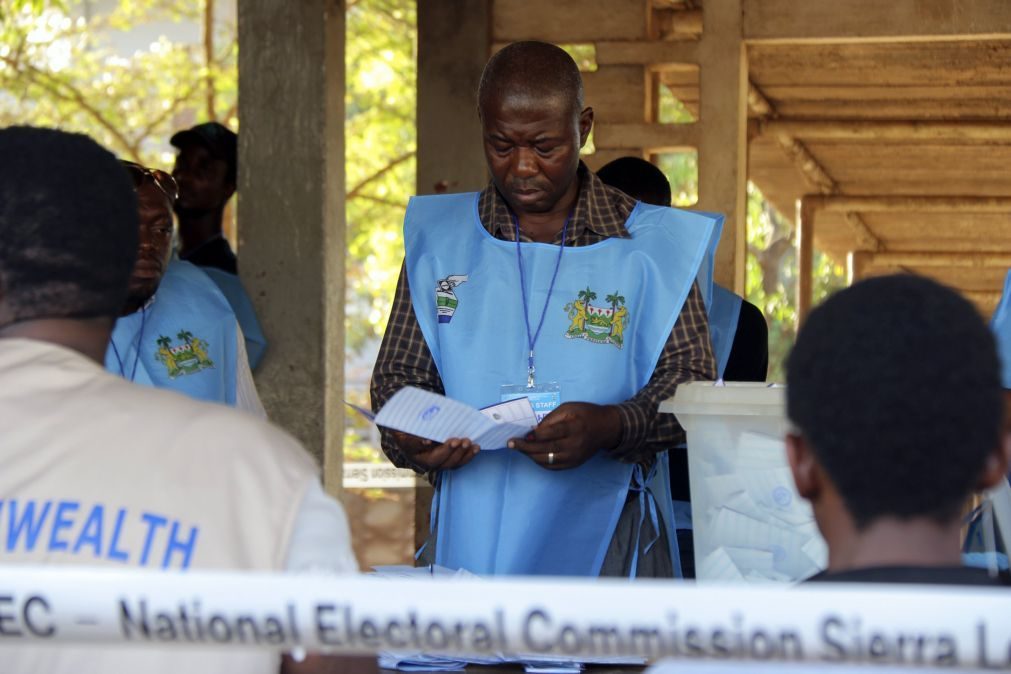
723, 146
291, 212
454, 42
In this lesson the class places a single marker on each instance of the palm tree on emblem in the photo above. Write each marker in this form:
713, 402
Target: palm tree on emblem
587, 295
163, 342
185, 335
614, 300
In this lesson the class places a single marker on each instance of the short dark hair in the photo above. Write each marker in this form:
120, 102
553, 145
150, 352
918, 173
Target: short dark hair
68, 226
895, 384
531, 69
637, 178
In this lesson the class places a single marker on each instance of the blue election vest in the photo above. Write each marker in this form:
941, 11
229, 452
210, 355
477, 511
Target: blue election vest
184, 339
612, 309
704, 278
1000, 324
724, 312
235, 293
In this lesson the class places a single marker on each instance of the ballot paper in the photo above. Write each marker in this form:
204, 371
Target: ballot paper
438, 418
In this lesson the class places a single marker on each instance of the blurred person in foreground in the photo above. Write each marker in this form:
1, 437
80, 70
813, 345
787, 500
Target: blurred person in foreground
100, 472
894, 392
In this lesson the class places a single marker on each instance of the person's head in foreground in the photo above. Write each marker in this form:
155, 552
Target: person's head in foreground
68, 238
530, 101
894, 392
156, 193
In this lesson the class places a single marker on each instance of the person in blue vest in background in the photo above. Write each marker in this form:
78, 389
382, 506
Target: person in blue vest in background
177, 330
206, 171
738, 329
550, 285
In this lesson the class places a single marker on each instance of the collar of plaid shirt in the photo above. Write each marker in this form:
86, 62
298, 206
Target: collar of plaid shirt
601, 212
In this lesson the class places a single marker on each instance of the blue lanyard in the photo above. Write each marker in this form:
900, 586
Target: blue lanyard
140, 343
532, 338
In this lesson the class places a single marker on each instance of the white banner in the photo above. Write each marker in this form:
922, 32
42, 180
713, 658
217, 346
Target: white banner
362, 475
851, 624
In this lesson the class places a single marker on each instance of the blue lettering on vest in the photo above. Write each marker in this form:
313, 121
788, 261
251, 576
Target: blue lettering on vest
115, 552
176, 545
91, 532
154, 522
61, 522
28, 523
66, 528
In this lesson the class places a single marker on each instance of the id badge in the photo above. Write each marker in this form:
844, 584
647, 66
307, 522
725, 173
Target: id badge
543, 397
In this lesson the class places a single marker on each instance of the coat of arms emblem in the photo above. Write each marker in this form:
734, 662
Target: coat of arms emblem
445, 297
189, 357
597, 324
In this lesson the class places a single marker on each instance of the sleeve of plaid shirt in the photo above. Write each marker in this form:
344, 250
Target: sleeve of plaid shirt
404, 359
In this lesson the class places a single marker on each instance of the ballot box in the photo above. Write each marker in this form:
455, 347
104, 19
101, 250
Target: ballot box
750, 523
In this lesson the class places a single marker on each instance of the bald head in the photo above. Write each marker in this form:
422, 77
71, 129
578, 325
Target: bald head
532, 73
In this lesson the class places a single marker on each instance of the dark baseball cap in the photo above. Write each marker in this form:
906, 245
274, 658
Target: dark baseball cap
219, 140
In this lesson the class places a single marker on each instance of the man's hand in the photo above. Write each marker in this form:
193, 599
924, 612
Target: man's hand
571, 434
453, 453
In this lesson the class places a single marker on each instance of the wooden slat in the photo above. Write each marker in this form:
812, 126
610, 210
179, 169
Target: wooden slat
646, 52
911, 204
650, 137
875, 93
978, 63
568, 21
963, 132
996, 108
789, 21
614, 91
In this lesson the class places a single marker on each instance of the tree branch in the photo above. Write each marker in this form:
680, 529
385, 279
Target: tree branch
74, 95
356, 190
380, 200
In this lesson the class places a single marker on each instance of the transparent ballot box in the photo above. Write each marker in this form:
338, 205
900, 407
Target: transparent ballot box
750, 524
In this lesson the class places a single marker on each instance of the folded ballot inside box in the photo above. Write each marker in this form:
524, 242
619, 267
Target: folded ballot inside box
750, 524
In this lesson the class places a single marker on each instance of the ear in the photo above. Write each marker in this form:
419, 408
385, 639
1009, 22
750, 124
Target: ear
585, 125
806, 473
996, 466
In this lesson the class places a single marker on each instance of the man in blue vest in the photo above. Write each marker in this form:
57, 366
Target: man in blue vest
550, 285
206, 171
177, 330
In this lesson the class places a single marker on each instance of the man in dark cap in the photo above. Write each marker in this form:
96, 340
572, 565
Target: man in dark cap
205, 170
548, 285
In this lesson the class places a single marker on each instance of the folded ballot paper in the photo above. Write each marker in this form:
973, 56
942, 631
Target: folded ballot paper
438, 418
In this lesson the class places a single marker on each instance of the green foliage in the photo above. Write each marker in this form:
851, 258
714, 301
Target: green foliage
771, 277
381, 144
59, 67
